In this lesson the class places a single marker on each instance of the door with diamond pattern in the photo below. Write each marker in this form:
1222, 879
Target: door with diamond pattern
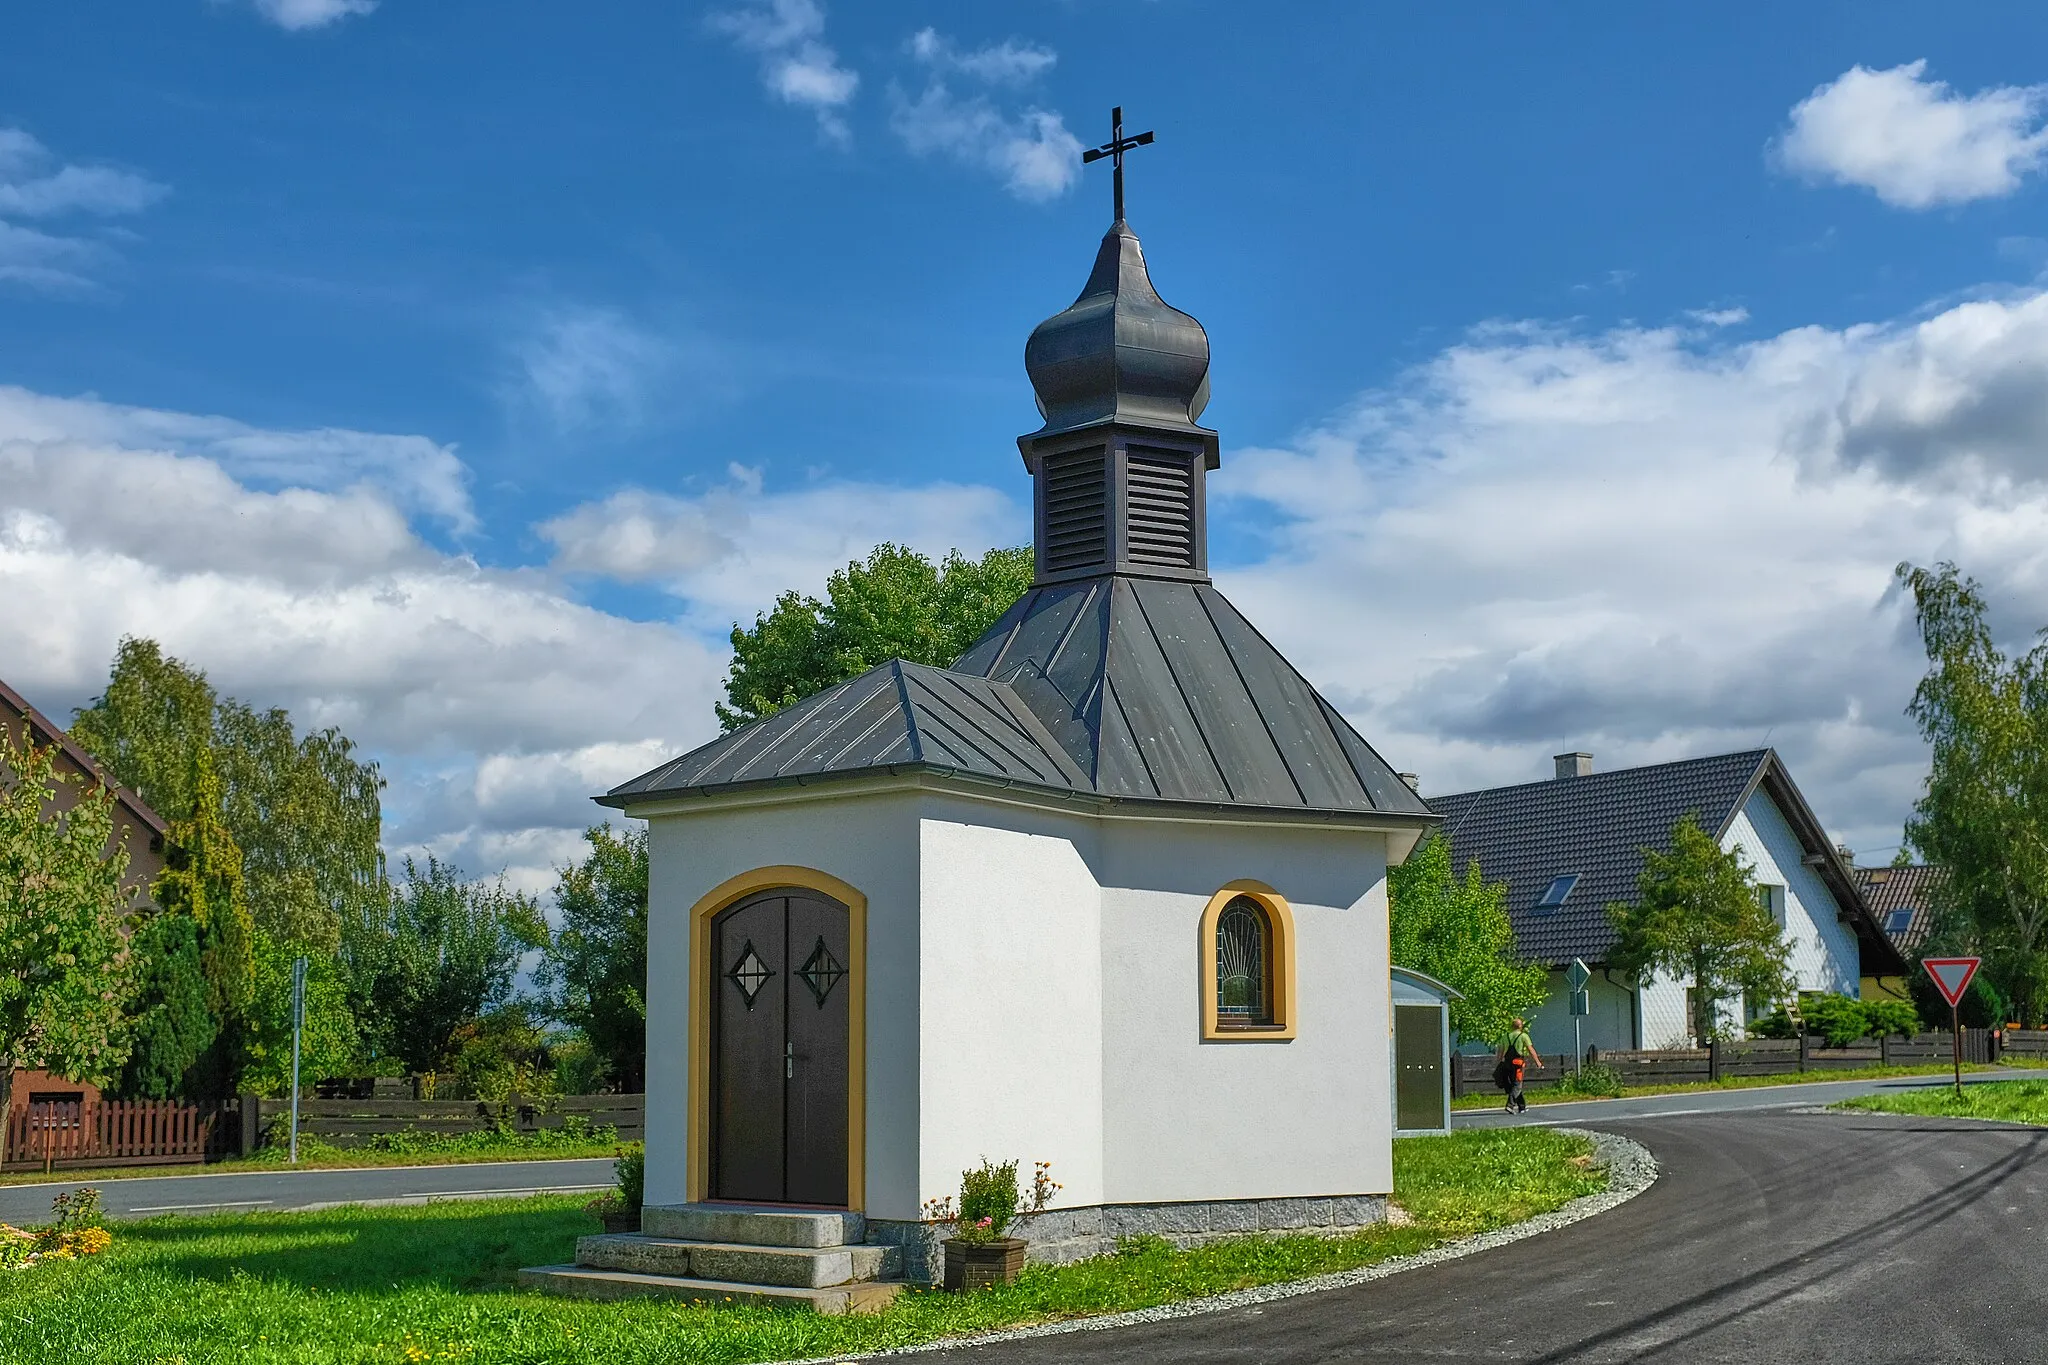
779, 1050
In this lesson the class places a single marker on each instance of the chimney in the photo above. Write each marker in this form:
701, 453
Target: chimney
1573, 765
1414, 781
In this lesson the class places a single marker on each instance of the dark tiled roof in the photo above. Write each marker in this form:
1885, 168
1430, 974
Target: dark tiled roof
42, 730
1909, 889
1118, 687
1596, 826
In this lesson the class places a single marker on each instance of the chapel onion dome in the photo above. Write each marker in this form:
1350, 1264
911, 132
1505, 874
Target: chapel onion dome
1119, 353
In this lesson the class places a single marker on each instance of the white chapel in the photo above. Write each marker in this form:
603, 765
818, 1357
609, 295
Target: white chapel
1109, 892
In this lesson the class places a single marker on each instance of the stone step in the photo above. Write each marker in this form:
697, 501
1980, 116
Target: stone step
753, 1225
740, 1263
586, 1282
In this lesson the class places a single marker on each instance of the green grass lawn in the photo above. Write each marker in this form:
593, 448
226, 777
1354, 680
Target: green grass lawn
433, 1282
1492, 1098
2012, 1101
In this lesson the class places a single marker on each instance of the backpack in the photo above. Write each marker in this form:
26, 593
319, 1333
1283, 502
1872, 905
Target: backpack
1504, 1071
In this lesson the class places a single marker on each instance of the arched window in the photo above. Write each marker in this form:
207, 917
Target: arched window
1247, 965
1244, 957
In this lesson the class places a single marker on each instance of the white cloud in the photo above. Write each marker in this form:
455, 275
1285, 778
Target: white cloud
729, 551
496, 702
33, 184
1651, 543
584, 366
1037, 158
1006, 63
303, 14
1915, 142
796, 65
419, 474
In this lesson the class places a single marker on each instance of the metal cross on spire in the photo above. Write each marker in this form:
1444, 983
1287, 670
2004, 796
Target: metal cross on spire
1114, 149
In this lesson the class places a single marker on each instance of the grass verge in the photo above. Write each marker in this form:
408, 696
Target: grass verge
2009, 1101
1492, 1099
353, 1286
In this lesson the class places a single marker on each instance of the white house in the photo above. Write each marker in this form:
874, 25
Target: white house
1109, 892
1569, 846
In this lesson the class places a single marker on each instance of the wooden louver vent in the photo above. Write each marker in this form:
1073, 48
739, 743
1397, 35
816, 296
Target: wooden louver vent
1076, 510
1161, 502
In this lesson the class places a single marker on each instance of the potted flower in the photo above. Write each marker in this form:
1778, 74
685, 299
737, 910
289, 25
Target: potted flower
619, 1209
978, 1254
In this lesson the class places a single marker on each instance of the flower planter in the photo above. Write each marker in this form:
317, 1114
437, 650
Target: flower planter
979, 1265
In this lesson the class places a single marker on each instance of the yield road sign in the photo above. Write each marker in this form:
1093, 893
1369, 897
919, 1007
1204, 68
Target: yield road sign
1951, 976
1578, 974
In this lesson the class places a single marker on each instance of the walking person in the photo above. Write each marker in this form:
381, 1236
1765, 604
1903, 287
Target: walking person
1519, 1052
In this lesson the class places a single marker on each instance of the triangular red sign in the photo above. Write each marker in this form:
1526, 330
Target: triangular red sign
1951, 975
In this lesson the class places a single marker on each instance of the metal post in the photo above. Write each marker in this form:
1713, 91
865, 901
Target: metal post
1578, 1049
298, 1026
1955, 1036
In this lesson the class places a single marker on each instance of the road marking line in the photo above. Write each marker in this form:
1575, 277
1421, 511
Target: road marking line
221, 1204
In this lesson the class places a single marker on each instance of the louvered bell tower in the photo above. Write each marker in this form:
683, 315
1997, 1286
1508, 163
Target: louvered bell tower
1119, 466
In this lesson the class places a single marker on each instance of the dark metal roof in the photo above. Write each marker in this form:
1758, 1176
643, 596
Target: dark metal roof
1124, 688
1598, 826
1119, 352
1909, 889
896, 715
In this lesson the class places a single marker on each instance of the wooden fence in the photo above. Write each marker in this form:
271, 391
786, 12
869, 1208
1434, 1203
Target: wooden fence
1752, 1057
343, 1122
2031, 1043
69, 1133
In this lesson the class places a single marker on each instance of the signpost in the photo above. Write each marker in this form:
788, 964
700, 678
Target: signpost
1577, 975
1952, 977
298, 1026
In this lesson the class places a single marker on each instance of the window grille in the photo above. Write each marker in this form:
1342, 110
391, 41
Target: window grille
1244, 996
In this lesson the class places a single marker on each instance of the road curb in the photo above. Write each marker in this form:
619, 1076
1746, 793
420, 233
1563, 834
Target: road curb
1630, 1170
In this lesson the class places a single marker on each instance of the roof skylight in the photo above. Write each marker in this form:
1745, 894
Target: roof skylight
1898, 921
1554, 894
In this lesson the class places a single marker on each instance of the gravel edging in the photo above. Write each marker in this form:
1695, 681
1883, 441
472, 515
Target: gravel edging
1630, 1170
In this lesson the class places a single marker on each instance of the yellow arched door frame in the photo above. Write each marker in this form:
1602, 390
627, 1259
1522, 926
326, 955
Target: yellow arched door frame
702, 989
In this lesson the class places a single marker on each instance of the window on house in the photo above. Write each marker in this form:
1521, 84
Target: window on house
1772, 900
1555, 893
1244, 957
1248, 965
1899, 921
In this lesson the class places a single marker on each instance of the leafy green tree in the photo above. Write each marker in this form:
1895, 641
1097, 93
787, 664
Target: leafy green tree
171, 1025
1698, 920
202, 881
1984, 814
331, 1045
64, 964
1458, 932
304, 811
440, 953
894, 605
594, 971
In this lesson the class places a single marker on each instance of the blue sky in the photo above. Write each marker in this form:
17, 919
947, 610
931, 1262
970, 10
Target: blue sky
461, 371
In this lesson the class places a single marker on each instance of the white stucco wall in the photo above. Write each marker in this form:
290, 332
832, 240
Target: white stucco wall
1825, 954
1034, 992
1011, 1019
869, 842
1190, 1120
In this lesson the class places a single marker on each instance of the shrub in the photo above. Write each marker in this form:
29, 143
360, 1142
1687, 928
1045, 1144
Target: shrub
1594, 1079
631, 1171
1835, 1017
988, 1200
1881, 1018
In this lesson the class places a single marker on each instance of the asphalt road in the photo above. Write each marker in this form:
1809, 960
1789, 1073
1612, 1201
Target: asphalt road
1769, 1236
241, 1191
1719, 1101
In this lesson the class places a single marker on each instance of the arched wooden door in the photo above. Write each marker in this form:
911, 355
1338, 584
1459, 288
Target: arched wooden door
779, 963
